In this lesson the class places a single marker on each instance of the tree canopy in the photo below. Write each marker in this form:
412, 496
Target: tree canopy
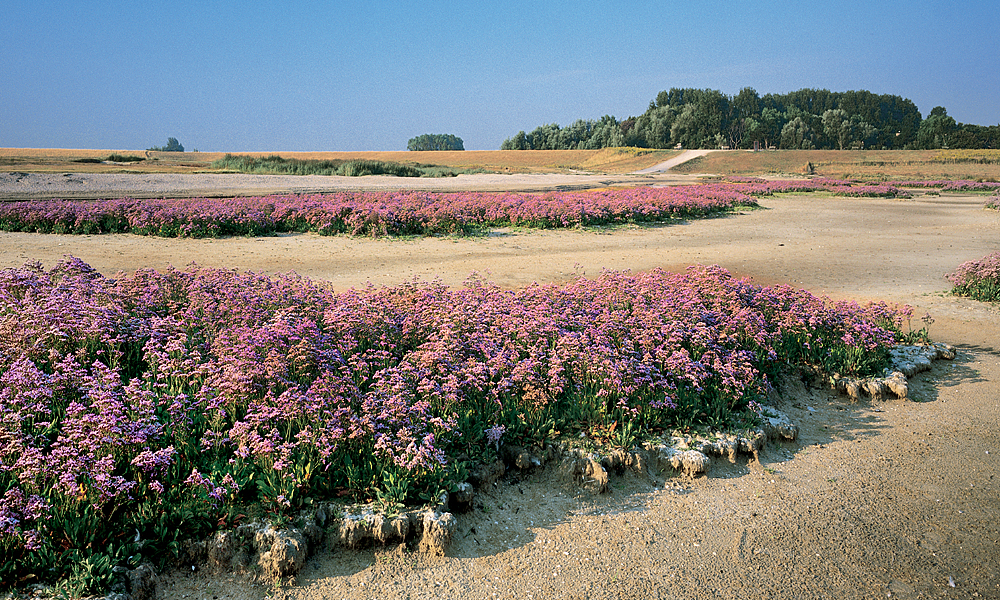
807, 118
172, 146
435, 141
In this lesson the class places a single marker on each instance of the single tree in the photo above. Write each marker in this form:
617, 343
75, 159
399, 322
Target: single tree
797, 135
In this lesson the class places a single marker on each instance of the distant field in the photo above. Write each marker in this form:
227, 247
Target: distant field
882, 165
611, 160
888, 165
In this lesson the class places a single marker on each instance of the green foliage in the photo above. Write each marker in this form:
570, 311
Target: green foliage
275, 164
124, 158
172, 146
696, 118
978, 279
797, 135
937, 129
435, 141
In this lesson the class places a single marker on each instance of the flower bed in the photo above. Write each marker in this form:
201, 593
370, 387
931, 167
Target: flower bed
994, 202
145, 409
978, 279
755, 186
370, 213
952, 186
404, 212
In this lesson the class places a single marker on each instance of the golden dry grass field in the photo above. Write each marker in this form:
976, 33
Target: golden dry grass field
888, 165
610, 160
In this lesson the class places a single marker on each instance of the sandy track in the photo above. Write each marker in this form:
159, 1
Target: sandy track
673, 162
35, 186
892, 499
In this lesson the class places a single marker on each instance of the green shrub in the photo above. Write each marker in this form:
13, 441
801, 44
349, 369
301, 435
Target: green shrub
978, 279
275, 164
124, 158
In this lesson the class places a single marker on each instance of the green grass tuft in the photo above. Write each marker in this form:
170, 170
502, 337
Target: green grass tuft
275, 164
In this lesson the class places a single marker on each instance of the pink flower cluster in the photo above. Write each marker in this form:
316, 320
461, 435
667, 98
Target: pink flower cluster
756, 186
211, 381
978, 279
959, 185
369, 213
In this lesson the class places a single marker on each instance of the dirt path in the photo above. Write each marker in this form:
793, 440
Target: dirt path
673, 162
896, 499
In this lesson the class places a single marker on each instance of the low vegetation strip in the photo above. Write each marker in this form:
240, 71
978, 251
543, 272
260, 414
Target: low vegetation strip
401, 213
961, 185
370, 213
756, 186
275, 164
138, 411
978, 279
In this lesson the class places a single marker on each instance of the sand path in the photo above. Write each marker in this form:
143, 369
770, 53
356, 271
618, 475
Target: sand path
673, 162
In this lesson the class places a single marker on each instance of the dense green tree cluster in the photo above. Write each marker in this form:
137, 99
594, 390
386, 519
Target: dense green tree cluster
435, 141
172, 146
804, 119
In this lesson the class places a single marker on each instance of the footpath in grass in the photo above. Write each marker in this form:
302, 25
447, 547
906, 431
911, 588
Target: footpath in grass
146, 409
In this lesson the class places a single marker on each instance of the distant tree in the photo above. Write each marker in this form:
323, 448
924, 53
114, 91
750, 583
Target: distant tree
172, 146
435, 141
771, 122
936, 130
518, 142
846, 130
797, 135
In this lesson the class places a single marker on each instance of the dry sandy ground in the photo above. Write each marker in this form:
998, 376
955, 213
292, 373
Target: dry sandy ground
897, 499
31, 186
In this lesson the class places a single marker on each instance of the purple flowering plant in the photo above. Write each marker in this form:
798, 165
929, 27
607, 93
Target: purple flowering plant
978, 279
404, 212
994, 201
142, 409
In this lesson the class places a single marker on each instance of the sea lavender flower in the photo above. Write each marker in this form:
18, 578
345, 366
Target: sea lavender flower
493, 435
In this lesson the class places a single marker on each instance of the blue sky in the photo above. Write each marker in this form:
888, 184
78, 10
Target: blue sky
312, 76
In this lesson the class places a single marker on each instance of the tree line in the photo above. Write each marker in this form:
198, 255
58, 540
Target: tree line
804, 119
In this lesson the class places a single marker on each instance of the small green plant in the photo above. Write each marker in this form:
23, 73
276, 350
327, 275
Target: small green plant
627, 435
390, 499
124, 158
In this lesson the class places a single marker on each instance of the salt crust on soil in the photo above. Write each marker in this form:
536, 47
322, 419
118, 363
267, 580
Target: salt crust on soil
274, 554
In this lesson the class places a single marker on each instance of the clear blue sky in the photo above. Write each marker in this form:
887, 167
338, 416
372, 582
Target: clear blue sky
297, 75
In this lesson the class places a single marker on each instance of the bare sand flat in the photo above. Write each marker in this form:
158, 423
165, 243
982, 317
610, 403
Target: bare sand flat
40, 186
895, 499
